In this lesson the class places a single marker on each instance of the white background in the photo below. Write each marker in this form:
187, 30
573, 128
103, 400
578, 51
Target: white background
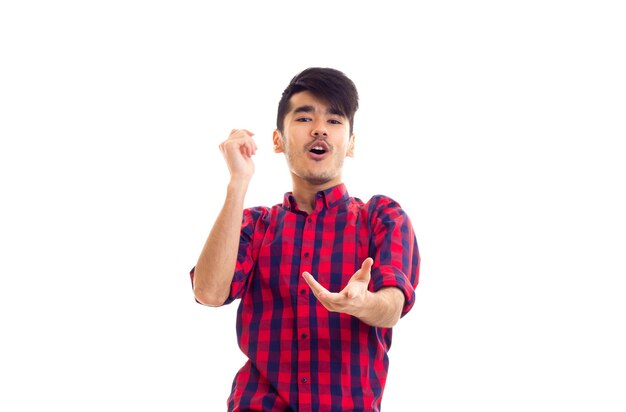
498, 126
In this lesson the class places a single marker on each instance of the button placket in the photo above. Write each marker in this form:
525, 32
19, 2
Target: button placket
304, 308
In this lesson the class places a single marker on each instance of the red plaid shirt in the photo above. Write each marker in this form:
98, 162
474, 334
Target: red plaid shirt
301, 356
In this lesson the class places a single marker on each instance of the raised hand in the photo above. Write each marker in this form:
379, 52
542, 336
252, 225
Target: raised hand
238, 150
352, 299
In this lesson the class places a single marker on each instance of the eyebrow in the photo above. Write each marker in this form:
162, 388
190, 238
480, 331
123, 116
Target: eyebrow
311, 109
304, 109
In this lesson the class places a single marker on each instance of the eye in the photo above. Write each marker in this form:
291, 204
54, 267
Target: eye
334, 121
303, 119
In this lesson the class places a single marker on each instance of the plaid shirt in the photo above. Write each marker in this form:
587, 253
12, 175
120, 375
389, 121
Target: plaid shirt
301, 356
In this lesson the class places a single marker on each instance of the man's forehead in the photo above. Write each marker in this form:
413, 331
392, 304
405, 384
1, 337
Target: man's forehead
306, 102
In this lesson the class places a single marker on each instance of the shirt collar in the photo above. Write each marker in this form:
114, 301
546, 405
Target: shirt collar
328, 198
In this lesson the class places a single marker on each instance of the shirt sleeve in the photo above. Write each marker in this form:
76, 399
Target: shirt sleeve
246, 254
393, 246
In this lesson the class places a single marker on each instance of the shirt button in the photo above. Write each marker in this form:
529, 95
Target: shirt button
302, 291
304, 380
306, 254
304, 336
310, 220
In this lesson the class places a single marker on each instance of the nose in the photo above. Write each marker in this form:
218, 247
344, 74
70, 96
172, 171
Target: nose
319, 129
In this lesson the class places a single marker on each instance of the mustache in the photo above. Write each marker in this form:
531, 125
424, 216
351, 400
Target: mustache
319, 142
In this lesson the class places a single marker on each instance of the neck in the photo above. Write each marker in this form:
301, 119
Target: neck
305, 191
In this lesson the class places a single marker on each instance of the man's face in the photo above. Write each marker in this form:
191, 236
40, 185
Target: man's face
315, 140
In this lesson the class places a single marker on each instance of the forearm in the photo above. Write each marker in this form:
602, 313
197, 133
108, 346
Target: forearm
382, 308
216, 265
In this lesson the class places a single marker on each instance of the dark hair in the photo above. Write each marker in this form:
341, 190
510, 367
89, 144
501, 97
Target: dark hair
330, 85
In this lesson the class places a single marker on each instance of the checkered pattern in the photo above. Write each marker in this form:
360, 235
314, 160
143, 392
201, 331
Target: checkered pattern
301, 356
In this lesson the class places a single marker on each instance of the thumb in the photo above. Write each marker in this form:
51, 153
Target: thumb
364, 274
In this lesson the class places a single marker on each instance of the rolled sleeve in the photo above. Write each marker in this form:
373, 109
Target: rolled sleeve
246, 254
389, 276
393, 246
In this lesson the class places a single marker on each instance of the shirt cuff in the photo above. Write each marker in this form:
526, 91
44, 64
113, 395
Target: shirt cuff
192, 273
389, 276
230, 295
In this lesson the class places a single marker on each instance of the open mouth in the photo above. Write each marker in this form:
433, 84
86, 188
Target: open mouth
318, 150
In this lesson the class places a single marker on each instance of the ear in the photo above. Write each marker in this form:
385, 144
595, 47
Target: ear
278, 141
350, 152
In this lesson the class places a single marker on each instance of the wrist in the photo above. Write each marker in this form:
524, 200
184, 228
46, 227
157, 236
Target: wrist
237, 189
366, 306
239, 182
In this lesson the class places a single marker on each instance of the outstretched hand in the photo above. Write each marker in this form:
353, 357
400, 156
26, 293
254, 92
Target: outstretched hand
352, 298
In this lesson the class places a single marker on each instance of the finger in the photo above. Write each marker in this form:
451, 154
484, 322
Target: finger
364, 274
249, 144
367, 264
236, 134
243, 145
352, 290
318, 290
240, 133
332, 301
246, 149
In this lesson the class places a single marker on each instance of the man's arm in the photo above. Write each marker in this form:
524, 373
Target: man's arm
216, 265
382, 309
379, 309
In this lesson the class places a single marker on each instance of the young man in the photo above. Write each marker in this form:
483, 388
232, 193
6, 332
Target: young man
322, 277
